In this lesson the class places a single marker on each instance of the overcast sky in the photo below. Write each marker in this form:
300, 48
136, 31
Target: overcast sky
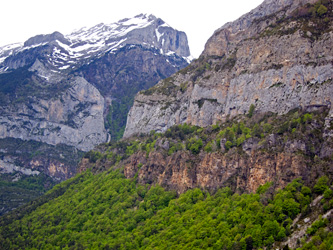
22, 19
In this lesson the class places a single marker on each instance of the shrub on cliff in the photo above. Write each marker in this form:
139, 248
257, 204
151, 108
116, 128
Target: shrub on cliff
251, 110
321, 10
93, 156
194, 145
321, 185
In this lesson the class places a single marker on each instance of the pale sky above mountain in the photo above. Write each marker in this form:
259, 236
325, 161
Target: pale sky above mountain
22, 19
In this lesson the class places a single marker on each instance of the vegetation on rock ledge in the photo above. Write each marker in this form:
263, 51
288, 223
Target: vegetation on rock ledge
296, 125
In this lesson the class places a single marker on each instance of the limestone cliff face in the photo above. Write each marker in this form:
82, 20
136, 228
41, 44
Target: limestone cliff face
73, 118
242, 153
57, 170
277, 57
56, 89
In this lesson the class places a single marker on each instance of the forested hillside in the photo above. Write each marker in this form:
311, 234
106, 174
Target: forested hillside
109, 207
108, 211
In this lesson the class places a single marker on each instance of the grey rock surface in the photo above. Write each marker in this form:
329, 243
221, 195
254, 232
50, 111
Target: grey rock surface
109, 60
276, 69
39, 39
75, 118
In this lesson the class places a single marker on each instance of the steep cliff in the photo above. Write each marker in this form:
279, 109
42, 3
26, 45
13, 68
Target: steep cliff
277, 57
242, 153
251, 182
60, 89
74, 118
121, 75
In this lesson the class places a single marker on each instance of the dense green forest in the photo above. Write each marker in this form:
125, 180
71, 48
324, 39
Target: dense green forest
108, 211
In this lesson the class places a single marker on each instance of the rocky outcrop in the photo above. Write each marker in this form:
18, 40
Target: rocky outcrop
39, 39
34, 157
56, 169
61, 95
157, 34
8, 166
251, 24
183, 171
277, 57
130, 69
114, 61
242, 154
74, 118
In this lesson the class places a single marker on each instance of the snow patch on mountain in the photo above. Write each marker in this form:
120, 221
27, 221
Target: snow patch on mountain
8, 50
158, 34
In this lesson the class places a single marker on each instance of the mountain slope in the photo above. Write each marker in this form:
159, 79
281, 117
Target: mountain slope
68, 93
277, 57
118, 202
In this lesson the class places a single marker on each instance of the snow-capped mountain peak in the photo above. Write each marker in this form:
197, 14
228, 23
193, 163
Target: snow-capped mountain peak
86, 44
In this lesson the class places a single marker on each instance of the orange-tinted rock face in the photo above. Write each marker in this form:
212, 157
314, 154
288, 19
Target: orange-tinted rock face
211, 171
278, 149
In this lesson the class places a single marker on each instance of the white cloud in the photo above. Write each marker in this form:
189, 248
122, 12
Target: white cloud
21, 19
